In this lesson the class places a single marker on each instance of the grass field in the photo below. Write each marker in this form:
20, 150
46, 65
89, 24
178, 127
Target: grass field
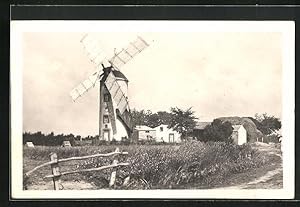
189, 165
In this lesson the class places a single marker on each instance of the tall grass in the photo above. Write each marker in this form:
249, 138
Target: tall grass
43, 152
189, 165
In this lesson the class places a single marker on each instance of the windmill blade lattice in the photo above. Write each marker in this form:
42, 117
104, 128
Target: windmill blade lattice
84, 86
94, 49
116, 92
125, 55
96, 55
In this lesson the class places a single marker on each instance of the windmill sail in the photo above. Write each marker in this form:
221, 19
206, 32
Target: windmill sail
94, 49
122, 57
116, 93
84, 86
127, 119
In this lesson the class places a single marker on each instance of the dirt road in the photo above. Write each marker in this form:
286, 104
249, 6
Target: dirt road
265, 177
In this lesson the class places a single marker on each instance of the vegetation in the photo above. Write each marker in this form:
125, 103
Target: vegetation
217, 131
150, 119
183, 121
39, 138
189, 165
266, 123
51, 139
270, 127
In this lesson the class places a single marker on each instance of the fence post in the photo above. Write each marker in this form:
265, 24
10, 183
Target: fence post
55, 171
114, 172
126, 181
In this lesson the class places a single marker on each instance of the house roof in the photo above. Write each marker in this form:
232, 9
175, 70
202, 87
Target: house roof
236, 127
201, 125
144, 128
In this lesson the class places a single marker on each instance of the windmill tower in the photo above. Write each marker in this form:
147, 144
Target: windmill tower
114, 113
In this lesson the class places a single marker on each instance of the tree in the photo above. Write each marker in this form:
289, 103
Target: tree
78, 138
218, 131
150, 119
182, 121
267, 124
164, 117
138, 117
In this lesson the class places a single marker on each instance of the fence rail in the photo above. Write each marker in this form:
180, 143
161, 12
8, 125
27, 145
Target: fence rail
56, 174
89, 170
75, 158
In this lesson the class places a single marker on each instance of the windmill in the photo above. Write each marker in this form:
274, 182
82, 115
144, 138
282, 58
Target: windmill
115, 120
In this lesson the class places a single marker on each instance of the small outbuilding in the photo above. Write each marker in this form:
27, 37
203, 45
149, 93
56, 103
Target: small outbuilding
29, 144
239, 134
66, 144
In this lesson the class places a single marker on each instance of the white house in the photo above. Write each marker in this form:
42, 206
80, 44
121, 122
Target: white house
144, 133
239, 134
164, 134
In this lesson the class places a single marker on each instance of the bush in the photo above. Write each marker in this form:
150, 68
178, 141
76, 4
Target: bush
217, 131
125, 141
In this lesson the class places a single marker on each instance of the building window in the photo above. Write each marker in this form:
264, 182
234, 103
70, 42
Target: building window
147, 131
105, 119
106, 98
161, 129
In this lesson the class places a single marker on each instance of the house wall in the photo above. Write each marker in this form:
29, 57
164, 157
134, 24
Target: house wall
242, 138
239, 136
146, 135
163, 136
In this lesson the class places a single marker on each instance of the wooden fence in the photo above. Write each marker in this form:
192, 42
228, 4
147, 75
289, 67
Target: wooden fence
56, 173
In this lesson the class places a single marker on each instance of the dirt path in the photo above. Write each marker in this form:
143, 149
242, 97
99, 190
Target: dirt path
269, 176
38, 182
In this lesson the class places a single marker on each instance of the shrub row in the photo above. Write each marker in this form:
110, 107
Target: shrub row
39, 138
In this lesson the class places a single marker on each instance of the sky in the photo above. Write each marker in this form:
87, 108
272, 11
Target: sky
216, 73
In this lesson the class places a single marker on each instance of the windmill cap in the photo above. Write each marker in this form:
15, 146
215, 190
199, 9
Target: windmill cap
119, 75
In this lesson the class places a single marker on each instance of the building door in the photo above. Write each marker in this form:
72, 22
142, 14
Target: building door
171, 137
106, 135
